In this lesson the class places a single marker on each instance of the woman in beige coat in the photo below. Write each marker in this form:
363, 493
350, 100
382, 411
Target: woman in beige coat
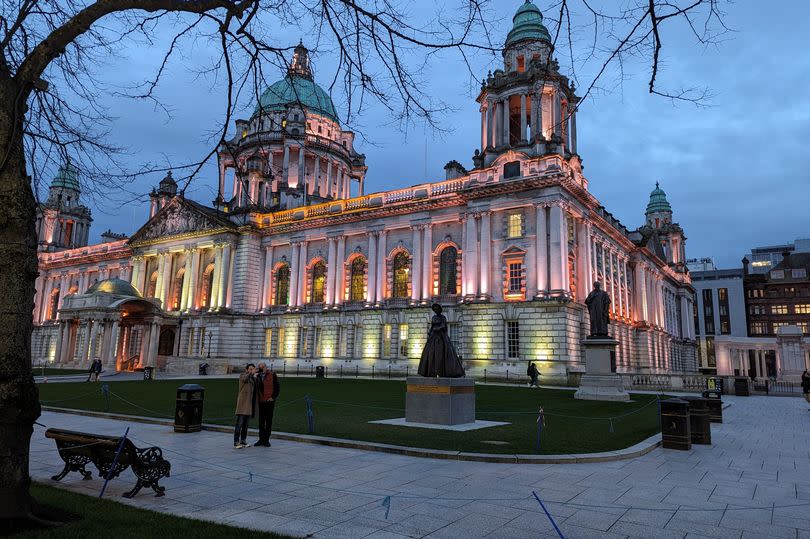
245, 405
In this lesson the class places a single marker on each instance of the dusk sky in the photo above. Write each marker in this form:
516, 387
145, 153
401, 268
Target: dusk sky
735, 170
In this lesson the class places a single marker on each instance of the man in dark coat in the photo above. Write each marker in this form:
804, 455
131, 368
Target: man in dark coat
806, 385
268, 387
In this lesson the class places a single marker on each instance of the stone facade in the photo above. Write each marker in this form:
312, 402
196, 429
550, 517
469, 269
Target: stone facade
303, 273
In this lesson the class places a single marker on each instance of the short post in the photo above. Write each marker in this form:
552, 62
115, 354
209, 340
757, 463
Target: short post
541, 422
507, 375
389, 372
105, 390
310, 415
485, 376
407, 371
357, 371
372, 372
341, 371
297, 369
284, 369
311, 370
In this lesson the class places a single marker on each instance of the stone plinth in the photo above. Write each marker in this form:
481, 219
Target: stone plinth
600, 381
440, 401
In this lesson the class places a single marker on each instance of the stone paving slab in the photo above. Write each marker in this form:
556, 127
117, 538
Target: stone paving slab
753, 482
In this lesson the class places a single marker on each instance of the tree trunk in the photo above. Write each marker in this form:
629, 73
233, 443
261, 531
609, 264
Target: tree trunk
19, 398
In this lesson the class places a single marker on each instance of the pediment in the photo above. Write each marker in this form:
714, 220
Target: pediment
180, 217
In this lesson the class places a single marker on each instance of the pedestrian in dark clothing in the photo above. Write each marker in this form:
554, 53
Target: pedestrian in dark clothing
533, 374
268, 387
806, 385
95, 370
245, 405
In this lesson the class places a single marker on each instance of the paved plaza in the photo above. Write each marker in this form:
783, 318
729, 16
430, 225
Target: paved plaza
754, 481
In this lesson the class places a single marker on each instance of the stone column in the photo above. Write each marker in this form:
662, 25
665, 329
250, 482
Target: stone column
559, 250
574, 132
223, 276
522, 137
113, 345
382, 252
285, 165
483, 128
506, 122
137, 269
340, 277
266, 301
492, 136
302, 274
85, 351
471, 256
416, 263
222, 169
361, 187
427, 263
154, 339
557, 115
331, 263
302, 178
294, 263
627, 308
582, 259
63, 290
486, 255
328, 180
186, 274
317, 183
372, 267
191, 277
60, 342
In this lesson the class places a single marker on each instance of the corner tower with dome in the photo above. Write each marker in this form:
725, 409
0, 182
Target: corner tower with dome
62, 221
297, 264
292, 151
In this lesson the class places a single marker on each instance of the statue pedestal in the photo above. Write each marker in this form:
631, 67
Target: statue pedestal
600, 381
440, 401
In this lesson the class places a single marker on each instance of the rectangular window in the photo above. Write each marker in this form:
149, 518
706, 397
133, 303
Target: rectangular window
757, 309
403, 340
708, 312
802, 308
777, 274
454, 332
800, 273
386, 340
696, 317
777, 325
779, 309
803, 326
513, 339
757, 328
711, 359
268, 342
343, 336
515, 228
280, 351
725, 316
303, 343
317, 346
515, 277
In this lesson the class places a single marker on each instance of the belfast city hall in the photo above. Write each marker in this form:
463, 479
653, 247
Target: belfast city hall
296, 265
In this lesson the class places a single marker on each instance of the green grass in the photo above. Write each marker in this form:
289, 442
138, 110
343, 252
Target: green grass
50, 371
343, 409
90, 518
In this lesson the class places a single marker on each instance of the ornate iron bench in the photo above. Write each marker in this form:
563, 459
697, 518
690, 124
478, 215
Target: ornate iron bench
79, 448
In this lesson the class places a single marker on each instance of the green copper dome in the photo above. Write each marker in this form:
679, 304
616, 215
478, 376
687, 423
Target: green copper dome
67, 178
119, 287
294, 89
527, 24
658, 201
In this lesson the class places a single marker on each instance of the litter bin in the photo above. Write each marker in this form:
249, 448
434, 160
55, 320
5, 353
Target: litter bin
699, 420
203, 369
189, 410
714, 384
148, 373
675, 428
715, 404
741, 386
320, 372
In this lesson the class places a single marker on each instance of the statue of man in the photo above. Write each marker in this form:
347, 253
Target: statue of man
598, 302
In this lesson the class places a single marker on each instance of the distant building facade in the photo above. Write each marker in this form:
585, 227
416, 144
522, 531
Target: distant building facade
296, 264
763, 259
720, 310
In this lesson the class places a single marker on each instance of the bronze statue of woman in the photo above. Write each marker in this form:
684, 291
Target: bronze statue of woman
439, 357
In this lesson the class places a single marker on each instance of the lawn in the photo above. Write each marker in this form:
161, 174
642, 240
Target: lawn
343, 408
91, 518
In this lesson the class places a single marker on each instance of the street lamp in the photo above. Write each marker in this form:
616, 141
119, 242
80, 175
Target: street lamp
208, 348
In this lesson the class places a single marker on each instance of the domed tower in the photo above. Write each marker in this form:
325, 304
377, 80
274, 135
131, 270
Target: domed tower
166, 191
528, 106
667, 234
62, 221
292, 151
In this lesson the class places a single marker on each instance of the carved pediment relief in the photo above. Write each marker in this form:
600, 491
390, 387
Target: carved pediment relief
176, 219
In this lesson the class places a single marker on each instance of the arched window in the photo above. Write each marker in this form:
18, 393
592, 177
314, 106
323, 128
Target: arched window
447, 271
177, 290
151, 289
318, 282
357, 290
402, 266
283, 285
206, 286
53, 305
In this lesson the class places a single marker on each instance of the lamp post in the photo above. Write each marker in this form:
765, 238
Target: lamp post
208, 348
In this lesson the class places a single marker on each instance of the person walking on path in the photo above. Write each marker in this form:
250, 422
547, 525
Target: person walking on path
268, 387
95, 371
533, 375
245, 405
806, 385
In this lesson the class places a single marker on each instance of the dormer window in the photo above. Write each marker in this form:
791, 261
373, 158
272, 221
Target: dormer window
521, 64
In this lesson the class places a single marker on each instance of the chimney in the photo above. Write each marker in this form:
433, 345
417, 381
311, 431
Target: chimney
454, 170
745, 263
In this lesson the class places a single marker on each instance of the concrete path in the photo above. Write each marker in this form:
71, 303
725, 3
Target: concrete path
754, 481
